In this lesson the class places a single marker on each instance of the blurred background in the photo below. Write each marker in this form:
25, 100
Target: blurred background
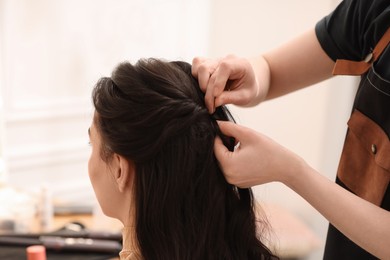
53, 52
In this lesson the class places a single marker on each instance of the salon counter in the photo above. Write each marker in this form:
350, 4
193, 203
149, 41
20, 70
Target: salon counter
289, 237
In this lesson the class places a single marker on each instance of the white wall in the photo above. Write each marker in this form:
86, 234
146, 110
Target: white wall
52, 53
311, 122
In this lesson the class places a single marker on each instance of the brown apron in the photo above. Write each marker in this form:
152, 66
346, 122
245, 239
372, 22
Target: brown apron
364, 167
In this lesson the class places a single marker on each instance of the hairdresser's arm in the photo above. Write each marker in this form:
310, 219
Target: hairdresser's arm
299, 63
259, 159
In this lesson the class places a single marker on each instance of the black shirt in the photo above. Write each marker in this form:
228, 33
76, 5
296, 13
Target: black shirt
351, 32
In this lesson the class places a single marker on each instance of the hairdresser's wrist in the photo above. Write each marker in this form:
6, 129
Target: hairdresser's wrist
262, 80
262, 76
296, 173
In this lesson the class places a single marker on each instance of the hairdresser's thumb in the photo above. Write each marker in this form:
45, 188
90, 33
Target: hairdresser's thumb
221, 151
226, 162
225, 98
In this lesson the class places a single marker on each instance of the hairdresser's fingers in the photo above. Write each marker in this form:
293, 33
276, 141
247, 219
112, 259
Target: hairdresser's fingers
221, 151
238, 97
226, 161
196, 62
200, 72
202, 69
216, 86
233, 82
205, 72
241, 166
233, 130
218, 82
229, 164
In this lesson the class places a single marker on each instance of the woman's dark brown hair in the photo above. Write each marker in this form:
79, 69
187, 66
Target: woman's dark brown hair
153, 113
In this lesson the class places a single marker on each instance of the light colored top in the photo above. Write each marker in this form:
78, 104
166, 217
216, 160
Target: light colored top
130, 249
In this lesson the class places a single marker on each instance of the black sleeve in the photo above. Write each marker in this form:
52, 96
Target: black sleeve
352, 30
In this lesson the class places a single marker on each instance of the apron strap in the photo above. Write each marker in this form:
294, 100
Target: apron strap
348, 67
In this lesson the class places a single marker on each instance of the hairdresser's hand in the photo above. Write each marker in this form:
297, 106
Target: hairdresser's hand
256, 160
231, 80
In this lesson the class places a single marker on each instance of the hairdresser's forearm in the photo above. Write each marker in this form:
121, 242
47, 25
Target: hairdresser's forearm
364, 223
299, 63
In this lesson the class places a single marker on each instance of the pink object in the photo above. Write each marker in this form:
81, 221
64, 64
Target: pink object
36, 253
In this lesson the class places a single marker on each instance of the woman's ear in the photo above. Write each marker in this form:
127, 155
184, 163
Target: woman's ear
124, 172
